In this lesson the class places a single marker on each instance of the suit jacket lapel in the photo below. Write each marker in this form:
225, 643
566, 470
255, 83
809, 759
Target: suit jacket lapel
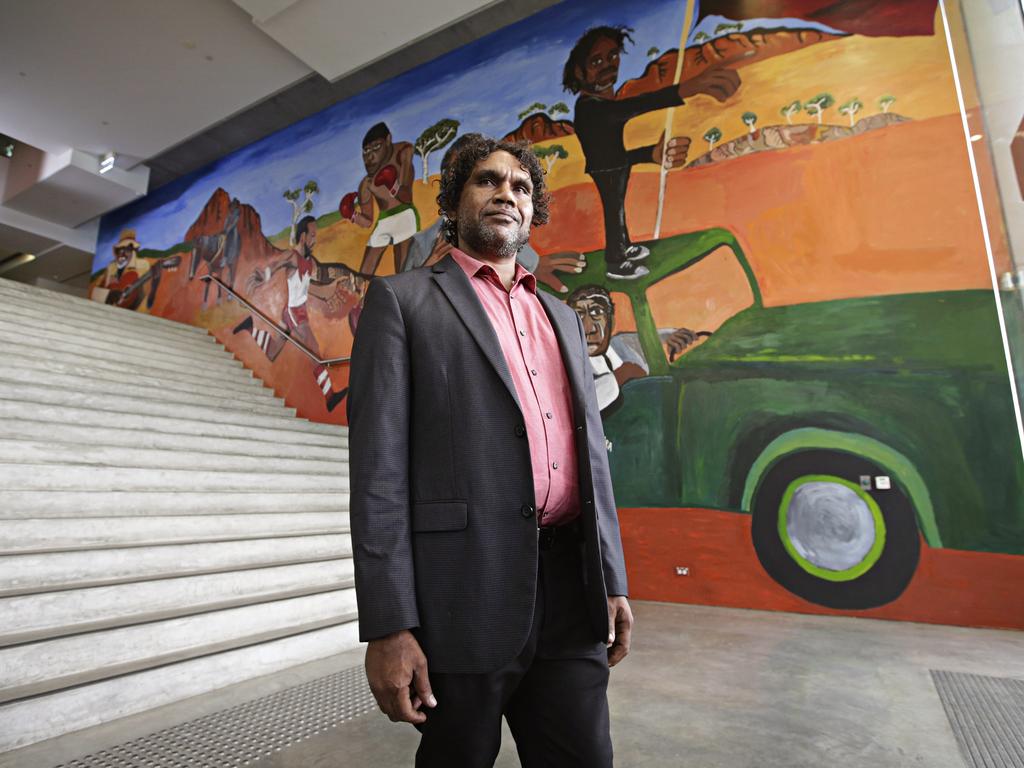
453, 281
568, 333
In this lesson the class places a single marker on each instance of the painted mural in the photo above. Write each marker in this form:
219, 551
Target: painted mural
764, 215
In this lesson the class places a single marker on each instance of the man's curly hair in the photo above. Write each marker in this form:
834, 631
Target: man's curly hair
458, 171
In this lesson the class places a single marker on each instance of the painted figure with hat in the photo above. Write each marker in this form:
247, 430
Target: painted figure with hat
126, 270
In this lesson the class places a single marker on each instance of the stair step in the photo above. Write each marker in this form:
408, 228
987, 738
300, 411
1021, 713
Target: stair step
32, 720
42, 616
26, 311
77, 477
285, 430
47, 572
230, 389
97, 455
66, 535
240, 413
236, 378
57, 345
74, 304
121, 346
19, 505
35, 668
16, 383
140, 441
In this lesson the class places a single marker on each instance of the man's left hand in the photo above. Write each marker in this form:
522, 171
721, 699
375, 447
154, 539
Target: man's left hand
567, 261
671, 154
620, 629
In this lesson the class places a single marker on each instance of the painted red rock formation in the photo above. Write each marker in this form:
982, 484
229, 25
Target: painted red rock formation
539, 127
745, 48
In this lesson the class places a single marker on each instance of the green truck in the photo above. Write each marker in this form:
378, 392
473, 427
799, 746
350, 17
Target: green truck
851, 430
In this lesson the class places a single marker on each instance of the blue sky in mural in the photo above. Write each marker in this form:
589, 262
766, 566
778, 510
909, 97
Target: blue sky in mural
483, 85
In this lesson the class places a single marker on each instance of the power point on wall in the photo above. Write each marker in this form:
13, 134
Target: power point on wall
865, 482
682, 570
883, 483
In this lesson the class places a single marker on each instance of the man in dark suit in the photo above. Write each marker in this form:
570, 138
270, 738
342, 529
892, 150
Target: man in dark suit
484, 529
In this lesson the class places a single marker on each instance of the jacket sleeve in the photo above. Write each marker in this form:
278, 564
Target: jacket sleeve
612, 557
379, 403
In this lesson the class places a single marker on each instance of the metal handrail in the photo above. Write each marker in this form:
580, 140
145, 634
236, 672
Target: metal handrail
287, 336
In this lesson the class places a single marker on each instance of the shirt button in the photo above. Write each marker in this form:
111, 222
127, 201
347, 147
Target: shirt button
520, 430
554, 465
526, 510
522, 333
579, 428
533, 371
548, 414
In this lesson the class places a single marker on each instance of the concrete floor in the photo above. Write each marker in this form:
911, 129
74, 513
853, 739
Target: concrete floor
707, 687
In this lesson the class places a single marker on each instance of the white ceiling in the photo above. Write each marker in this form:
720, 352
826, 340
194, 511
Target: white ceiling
138, 77
131, 76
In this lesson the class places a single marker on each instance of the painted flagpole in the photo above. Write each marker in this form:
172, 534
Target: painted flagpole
687, 21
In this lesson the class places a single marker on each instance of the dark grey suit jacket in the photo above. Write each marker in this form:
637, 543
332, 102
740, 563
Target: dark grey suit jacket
444, 531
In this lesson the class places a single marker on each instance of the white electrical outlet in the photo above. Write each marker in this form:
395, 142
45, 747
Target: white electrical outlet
883, 483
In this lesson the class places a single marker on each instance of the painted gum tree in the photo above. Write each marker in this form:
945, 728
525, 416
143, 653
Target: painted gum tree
851, 108
791, 109
886, 102
302, 203
819, 104
711, 137
436, 137
550, 155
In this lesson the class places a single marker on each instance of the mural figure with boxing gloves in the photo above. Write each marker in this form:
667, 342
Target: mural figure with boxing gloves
388, 180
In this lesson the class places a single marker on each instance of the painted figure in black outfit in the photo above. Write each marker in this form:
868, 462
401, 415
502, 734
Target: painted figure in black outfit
591, 71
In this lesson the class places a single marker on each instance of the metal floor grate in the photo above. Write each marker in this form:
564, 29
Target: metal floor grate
987, 716
247, 733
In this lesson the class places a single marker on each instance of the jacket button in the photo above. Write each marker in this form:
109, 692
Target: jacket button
579, 428
526, 510
588, 503
520, 430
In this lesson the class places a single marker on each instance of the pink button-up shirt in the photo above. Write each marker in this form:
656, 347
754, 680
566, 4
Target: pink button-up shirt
535, 362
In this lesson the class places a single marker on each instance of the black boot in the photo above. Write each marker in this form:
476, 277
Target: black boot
336, 397
245, 325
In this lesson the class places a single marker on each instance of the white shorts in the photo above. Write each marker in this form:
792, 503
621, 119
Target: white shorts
395, 226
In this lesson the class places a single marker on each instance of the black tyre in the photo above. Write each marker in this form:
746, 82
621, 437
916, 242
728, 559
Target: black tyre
823, 537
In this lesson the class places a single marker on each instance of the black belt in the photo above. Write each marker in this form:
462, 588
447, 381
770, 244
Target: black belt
552, 536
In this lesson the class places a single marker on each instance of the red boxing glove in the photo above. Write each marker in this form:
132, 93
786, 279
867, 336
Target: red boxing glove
347, 207
387, 177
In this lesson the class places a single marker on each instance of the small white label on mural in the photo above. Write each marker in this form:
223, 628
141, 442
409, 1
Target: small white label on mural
865, 482
682, 570
882, 483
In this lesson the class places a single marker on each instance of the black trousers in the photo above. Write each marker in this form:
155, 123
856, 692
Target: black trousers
611, 186
554, 694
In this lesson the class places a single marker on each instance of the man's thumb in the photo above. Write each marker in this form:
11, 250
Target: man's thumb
422, 685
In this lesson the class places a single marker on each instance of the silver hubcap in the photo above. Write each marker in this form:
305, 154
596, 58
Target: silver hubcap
830, 525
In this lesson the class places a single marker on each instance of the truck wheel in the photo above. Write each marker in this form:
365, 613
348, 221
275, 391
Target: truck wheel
823, 537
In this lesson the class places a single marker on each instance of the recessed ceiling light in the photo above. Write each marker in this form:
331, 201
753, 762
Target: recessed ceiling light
6, 146
107, 162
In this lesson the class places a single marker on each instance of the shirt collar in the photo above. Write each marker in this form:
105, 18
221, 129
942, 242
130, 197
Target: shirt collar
474, 268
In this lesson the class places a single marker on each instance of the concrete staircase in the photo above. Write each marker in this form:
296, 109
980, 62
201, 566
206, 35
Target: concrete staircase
167, 526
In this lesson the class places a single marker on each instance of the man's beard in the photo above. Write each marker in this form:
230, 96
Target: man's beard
484, 238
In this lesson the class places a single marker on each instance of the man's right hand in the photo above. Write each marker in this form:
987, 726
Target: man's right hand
396, 669
718, 82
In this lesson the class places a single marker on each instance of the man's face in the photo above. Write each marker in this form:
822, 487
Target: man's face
375, 153
123, 255
308, 239
496, 207
601, 68
597, 324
